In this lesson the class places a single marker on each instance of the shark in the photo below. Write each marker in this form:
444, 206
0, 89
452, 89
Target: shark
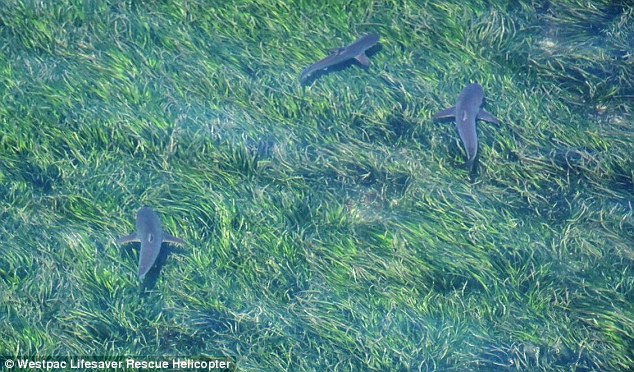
354, 51
466, 111
151, 235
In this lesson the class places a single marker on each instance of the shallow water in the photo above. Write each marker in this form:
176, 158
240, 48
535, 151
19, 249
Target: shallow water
329, 226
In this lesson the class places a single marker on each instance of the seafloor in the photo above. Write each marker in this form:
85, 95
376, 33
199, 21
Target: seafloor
330, 226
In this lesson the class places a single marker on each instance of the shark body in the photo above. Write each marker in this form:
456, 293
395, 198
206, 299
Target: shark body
355, 51
466, 111
151, 235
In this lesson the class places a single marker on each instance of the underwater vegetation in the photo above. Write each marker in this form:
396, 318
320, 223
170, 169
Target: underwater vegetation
332, 225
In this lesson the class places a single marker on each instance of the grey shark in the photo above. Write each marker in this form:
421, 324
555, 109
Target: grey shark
151, 235
355, 51
466, 111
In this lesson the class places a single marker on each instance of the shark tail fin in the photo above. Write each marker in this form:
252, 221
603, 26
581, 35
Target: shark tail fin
470, 164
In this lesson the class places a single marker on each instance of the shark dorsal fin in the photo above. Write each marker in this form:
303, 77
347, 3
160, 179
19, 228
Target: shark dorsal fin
335, 51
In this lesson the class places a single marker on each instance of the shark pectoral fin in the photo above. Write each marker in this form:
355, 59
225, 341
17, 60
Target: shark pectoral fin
446, 113
363, 59
167, 238
483, 115
132, 238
